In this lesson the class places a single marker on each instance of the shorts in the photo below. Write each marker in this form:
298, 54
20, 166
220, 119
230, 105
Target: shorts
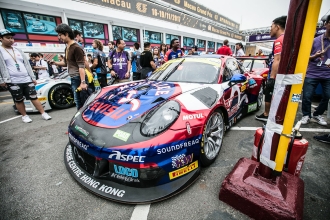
19, 91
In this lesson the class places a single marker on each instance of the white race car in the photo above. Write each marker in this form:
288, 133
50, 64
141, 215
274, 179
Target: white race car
53, 93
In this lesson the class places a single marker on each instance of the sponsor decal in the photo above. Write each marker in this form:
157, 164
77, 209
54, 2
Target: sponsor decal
117, 155
87, 180
243, 88
126, 171
124, 178
252, 83
188, 128
81, 130
41, 99
76, 115
295, 97
121, 135
239, 116
192, 116
184, 170
277, 43
181, 160
252, 107
77, 142
176, 147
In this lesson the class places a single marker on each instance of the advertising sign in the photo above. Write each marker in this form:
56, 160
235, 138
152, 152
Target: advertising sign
13, 21
261, 37
127, 34
188, 42
40, 24
201, 44
170, 37
93, 30
152, 10
218, 46
201, 10
210, 46
153, 37
75, 25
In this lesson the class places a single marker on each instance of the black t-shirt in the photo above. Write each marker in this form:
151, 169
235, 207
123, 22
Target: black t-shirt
145, 59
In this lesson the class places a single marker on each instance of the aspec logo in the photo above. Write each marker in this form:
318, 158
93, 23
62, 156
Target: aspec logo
117, 155
192, 116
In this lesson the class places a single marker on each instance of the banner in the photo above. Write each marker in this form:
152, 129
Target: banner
158, 12
204, 12
261, 38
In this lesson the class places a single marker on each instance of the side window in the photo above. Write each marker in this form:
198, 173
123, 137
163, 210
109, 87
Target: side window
232, 67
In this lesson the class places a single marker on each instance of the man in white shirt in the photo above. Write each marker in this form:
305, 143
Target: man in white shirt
41, 66
239, 50
16, 74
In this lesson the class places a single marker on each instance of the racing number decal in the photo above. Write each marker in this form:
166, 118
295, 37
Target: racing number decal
134, 102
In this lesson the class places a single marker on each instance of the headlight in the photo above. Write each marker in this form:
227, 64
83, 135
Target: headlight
160, 119
92, 97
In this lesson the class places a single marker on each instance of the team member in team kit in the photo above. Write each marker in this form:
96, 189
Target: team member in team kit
174, 52
41, 66
147, 62
74, 60
318, 72
276, 30
225, 49
99, 63
16, 74
120, 62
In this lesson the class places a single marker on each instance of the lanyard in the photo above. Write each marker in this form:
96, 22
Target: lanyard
14, 57
120, 55
322, 44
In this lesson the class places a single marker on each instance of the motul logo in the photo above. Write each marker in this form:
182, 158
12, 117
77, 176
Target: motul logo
193, 116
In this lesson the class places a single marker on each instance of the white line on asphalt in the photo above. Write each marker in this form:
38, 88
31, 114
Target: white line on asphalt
10, 119
140, 212
301, 129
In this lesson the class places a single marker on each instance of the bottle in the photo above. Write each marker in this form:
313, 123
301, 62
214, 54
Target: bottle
96, 83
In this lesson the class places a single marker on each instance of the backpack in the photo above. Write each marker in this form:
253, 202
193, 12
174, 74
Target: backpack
101, 66
137, 61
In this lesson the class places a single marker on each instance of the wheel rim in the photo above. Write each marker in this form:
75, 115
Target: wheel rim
260, 96
213, 135
63, 97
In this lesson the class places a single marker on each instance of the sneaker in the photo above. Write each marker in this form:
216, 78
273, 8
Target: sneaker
305, 120
262, 117
26, 119
324, 138
319, 119
46, 116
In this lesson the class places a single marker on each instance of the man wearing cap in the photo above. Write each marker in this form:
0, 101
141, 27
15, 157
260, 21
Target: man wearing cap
16, 74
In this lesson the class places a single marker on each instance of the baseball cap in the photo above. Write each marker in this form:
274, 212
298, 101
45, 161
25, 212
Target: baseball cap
4, 32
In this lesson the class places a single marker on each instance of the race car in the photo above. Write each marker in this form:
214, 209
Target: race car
145, 141
12, 21
53, 93
257, 65
39, 26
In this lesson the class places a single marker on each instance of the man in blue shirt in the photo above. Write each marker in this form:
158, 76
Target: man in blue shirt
174, 52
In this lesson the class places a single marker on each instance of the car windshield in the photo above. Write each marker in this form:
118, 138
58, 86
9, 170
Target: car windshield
194, 70
257, 64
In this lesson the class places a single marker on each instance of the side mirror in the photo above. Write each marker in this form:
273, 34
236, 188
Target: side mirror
237, 78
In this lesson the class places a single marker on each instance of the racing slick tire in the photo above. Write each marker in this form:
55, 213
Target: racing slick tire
260, 97
61, 96
212, 138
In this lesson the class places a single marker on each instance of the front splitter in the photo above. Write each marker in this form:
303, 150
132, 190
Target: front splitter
126, 194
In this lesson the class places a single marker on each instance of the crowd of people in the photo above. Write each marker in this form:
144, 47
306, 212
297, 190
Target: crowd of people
19, 75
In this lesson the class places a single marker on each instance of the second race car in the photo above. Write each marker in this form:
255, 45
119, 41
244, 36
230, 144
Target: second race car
144, 141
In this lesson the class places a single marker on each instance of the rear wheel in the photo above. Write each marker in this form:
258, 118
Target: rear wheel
61, 96
212, 138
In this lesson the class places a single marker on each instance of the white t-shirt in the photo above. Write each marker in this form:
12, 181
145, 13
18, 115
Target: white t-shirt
240, 53
42, 74
55, 68
16, 76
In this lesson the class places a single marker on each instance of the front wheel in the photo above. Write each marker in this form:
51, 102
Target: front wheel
212, 138
61, 96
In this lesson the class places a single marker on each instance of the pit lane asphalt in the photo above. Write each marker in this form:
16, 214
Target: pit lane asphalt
36, 185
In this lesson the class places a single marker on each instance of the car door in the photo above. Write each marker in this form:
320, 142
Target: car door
234, 95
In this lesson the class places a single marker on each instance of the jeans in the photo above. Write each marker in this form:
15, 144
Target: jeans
310, 85
75, 83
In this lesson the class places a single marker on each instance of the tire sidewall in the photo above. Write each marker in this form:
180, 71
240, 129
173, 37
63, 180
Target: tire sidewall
203, 159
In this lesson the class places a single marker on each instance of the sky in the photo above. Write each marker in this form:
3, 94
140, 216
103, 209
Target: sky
254, 13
